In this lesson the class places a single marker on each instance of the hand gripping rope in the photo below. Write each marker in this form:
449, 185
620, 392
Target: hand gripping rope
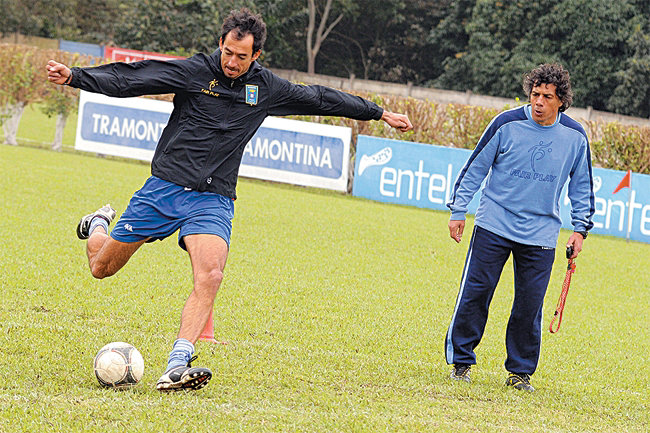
559, 308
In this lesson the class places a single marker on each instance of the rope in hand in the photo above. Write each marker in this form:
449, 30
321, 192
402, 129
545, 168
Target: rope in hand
559, 308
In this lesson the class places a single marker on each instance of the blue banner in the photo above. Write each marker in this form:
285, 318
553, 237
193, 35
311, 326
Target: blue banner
298, 152
408, 173
81, 48
114, 124
423, 175
613, 211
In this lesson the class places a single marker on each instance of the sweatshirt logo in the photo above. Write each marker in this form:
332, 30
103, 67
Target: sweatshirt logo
251, 94
213, 83
539, 152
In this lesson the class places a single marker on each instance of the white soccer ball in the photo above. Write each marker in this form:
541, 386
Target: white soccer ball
118, 365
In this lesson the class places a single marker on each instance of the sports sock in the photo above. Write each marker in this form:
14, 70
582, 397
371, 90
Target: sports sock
97, 221
181, 354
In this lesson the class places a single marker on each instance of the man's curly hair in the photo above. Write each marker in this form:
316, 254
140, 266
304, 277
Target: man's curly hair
243, 22
550, 73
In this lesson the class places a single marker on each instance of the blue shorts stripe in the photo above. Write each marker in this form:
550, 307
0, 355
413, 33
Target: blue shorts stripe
450, 347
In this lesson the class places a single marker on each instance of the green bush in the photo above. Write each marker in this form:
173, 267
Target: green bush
620, 147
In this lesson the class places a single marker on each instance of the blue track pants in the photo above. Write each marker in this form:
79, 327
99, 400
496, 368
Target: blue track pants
486, 257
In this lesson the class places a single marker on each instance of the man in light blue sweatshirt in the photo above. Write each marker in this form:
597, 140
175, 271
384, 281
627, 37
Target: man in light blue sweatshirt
525, 157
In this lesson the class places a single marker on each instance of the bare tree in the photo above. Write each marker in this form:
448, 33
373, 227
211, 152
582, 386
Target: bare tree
314, 42
22, 85
60, 101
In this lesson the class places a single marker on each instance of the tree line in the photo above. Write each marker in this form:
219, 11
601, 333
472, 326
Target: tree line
479, 45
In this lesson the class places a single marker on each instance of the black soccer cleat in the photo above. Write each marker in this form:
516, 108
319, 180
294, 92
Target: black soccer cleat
520, 381
461, 372
184, 378
106, 212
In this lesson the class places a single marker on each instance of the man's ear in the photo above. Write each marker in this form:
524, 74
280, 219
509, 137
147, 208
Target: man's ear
221, 43
257, 54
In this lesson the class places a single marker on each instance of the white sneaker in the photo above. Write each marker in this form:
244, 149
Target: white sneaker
184, 378
106, 212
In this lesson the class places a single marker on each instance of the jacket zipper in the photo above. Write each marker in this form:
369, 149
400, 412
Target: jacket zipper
212, 150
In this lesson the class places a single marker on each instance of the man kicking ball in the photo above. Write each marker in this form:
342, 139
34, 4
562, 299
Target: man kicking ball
220, 101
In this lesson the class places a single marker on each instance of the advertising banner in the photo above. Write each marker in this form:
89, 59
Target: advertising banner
117, 54
408, 173
126, 127
301, 153
613, 210
282, 150
81, 48
423, 175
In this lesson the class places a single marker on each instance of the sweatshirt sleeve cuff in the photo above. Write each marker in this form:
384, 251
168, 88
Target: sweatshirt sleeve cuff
457, 216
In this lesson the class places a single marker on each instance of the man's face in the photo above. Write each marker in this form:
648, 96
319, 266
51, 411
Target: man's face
237, 55
544, 104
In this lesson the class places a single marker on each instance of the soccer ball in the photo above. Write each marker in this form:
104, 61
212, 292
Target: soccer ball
118, 365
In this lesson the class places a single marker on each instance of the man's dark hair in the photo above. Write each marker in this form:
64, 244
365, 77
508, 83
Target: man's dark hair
551, 73
243, 22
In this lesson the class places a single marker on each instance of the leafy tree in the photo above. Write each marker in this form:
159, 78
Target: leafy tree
494, 31
319, 25
589, 37
37, 17
285, 23
181, 27
451, 39
96, 21
387, 43
358, 41
632, 94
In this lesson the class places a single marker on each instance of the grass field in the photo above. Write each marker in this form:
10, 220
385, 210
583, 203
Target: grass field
333, 308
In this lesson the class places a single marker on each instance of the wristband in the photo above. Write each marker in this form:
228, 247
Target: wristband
68, 80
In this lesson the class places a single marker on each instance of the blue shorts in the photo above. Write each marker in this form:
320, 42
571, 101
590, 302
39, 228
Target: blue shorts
160, 208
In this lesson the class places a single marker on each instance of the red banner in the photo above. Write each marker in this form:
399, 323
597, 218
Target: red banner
117, 54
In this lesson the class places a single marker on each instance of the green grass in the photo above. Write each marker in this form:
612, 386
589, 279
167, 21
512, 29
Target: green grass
334, 310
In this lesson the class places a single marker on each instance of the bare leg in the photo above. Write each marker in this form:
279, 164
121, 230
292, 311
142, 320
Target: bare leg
106, 256
208, 254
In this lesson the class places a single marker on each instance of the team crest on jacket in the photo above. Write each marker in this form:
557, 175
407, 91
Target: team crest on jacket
251, 94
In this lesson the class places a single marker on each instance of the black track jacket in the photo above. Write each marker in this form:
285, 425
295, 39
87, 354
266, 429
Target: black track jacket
202, 145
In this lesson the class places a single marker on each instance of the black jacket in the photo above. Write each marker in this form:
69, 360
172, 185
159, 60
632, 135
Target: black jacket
202, 145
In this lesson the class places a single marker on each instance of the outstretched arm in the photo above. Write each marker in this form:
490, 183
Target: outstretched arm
397, 120
58, 73
120, 80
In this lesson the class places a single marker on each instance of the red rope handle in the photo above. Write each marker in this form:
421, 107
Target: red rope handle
559, 307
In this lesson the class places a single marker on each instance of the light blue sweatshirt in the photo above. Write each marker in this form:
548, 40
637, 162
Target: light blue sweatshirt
527, 165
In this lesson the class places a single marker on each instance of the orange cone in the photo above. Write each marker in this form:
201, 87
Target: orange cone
208, 332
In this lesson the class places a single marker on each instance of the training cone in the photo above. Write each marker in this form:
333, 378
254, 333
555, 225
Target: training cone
208, 332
